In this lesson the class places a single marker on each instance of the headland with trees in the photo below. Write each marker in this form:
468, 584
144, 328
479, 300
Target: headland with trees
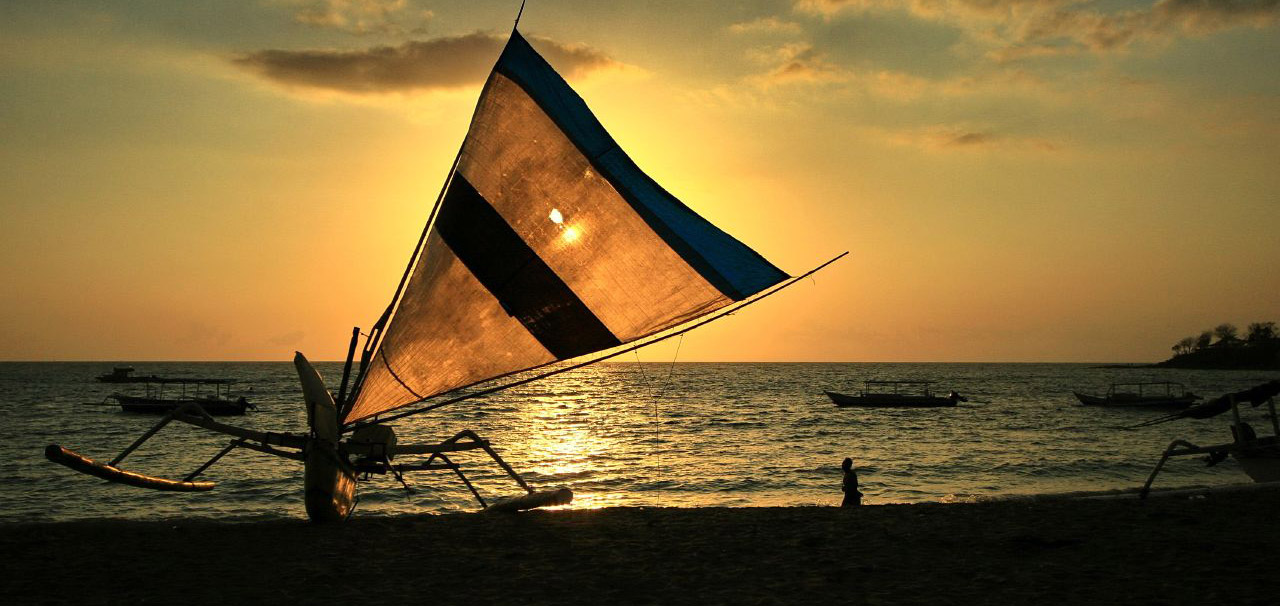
1224, 348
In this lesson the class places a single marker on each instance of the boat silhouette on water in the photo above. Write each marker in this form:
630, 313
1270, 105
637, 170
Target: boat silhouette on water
547, 250
1154, 394
896, 394
155, 401
122, 374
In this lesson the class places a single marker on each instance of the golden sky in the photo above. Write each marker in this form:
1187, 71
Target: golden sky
1016, 180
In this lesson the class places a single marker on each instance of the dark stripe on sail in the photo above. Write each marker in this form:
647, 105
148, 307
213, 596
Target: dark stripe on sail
730, 266
524, 285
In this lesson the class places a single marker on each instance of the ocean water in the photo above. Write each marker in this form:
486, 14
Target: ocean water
634, 434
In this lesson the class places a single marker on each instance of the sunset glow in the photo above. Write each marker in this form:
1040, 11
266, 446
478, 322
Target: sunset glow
1016, 181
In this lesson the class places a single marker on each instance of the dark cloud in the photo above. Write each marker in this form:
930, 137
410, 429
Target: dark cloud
1023, 28
971, 139
1209, 16
441, 63
1067, 30
798, 62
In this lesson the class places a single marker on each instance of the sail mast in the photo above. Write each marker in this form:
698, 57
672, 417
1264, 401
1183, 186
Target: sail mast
346, 367
375, 334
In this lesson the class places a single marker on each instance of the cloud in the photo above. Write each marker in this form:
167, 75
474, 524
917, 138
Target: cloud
796, 63
1204, 17
1020, 29
362, 17
1070, 30
440, 63
766, 25
969, 139
895, 85
952, 138
829, 8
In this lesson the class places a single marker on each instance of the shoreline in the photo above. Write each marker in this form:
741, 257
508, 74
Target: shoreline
1205, 546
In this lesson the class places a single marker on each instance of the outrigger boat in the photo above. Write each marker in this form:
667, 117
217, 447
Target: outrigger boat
547, 244
154, 402
1259, 457
1155, 394
896, 394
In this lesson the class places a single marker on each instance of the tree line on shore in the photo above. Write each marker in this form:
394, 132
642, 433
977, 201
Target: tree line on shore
1226, 335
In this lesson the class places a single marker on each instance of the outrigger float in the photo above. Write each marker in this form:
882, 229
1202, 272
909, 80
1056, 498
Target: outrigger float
1259, 457
547, 244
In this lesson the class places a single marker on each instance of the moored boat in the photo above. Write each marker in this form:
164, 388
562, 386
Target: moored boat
156, 402
119, 374
214, 405
122, 374
1155, 394
896, 394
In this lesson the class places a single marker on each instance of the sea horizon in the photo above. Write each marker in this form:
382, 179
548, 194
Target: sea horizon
689, 434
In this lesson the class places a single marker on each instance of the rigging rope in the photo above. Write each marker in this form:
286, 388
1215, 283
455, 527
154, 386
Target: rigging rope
654, 396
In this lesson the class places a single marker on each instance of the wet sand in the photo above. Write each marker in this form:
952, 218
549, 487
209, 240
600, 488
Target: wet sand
1215, 548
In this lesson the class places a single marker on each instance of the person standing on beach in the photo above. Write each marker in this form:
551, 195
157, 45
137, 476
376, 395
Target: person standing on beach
852, 497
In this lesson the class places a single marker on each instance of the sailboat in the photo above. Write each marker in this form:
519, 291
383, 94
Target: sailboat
547, 250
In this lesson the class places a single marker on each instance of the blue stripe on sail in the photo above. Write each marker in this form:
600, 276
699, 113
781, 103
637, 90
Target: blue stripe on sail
729, 265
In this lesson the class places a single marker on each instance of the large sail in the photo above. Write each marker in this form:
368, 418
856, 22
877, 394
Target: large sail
549, 243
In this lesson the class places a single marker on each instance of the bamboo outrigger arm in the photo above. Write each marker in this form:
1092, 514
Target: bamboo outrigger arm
372, 458
192, 414
1175, 449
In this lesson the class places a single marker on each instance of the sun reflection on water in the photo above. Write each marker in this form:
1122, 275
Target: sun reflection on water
570, 438
561, 447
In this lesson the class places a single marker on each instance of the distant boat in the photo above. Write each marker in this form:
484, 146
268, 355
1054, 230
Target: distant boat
1156, 394
155, 401
896, 394
122, 374
1259, 457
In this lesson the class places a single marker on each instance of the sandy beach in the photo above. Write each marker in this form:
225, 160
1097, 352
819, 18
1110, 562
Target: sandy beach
1197, 549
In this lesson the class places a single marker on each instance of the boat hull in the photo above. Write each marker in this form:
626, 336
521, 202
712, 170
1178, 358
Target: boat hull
329, 478
159, 406
1262, 464
330, 484
1137, 402
889, 401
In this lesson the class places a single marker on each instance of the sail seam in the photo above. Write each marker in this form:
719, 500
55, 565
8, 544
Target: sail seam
382, 354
